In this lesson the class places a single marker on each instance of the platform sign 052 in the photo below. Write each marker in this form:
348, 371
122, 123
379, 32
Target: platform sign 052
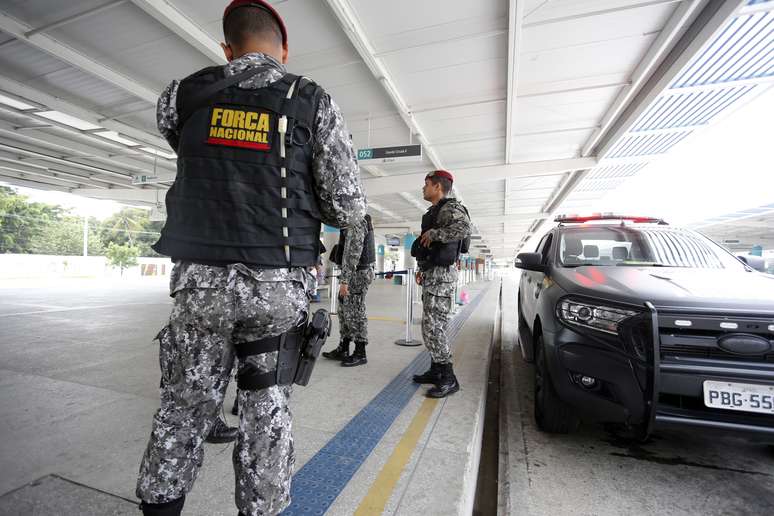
390, 154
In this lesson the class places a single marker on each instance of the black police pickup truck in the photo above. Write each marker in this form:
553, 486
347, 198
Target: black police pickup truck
636, 323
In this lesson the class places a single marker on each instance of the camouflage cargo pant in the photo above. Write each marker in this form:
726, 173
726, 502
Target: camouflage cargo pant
437, 303
353, 319
216, 308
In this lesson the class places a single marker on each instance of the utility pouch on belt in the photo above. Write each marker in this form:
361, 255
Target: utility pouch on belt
316, 332
297, 352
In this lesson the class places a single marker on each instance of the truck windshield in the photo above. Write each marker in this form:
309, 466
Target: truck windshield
642, 246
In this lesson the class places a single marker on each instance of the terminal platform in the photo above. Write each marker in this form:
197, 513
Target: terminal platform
79, 381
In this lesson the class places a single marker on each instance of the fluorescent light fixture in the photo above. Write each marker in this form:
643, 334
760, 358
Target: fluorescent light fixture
683, 323
156, 152
8, 101
72, 121
114, 136
729, 325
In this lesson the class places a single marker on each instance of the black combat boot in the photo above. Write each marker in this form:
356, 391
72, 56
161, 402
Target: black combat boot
340, 353
432, 375
173, 508
446, 385
358, 357
221, 432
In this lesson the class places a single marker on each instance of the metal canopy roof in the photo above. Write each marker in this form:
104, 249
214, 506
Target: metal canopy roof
536, 106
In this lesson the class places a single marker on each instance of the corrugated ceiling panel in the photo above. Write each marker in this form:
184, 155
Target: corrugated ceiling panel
38, 13
28, 65
744, 50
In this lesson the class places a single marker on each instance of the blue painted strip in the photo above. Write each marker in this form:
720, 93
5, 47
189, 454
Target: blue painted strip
320, 481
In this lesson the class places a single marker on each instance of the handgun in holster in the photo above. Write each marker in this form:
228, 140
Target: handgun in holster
297, 351
318, 329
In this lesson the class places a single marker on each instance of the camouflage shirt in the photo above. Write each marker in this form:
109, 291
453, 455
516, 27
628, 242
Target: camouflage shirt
452, 224
337, 179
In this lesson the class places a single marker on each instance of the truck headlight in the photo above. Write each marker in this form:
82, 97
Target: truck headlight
591, 315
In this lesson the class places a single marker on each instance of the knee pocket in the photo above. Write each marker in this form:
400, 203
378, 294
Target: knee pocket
169, 356
435, 303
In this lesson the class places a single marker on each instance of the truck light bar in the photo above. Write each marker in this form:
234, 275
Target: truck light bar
580, 219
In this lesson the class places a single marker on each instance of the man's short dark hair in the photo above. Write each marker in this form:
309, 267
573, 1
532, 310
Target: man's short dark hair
247, 22
446, 185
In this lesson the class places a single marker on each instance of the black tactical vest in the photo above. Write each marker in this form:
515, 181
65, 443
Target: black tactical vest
368, 256
231, 200
439, 253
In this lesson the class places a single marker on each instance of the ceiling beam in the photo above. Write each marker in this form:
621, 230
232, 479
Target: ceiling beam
181, 25
84, 141
540, 89
24, 173
147, 196
21, 180
74, 149
74, 58
409, 182
599, 12
40, 156
71, 19
26, 166
29, 93
498, 219
515, 19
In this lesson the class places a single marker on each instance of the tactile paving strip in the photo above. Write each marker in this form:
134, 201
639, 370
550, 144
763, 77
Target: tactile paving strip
320, 481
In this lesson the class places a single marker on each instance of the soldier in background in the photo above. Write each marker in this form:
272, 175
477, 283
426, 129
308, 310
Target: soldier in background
445, 234
263, 158
355, 254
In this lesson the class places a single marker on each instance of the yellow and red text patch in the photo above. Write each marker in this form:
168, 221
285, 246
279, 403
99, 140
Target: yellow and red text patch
238, 128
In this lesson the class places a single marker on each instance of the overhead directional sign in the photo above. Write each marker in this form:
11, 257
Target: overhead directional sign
390, 154
141, 179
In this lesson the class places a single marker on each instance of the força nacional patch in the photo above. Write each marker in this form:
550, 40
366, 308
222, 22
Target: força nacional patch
240, 128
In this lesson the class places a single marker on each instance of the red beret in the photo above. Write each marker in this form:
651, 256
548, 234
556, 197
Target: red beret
441, 173
260, 4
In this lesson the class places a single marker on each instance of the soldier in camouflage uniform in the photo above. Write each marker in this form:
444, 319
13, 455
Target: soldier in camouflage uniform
446, 230
221, 302
356, 245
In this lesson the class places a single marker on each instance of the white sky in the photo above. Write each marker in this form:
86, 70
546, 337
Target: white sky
718, 170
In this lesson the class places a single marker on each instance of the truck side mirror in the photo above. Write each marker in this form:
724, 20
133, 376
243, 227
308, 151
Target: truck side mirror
531, 262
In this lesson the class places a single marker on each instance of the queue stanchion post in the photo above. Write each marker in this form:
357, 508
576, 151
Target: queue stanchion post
334, 290
409, 338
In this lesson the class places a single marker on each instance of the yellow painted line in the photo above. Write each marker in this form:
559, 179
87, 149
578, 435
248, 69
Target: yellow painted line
381, 490
388, 319
377, 497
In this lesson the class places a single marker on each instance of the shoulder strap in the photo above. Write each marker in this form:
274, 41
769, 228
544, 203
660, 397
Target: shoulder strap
205, 94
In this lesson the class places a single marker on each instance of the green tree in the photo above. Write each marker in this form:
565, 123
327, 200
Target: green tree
65, 237
122, 256
132, 226
22, 223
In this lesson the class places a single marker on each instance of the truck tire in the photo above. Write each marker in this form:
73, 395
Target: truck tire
522, 332
552, 415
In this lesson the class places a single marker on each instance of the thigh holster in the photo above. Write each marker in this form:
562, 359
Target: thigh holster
288, 347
